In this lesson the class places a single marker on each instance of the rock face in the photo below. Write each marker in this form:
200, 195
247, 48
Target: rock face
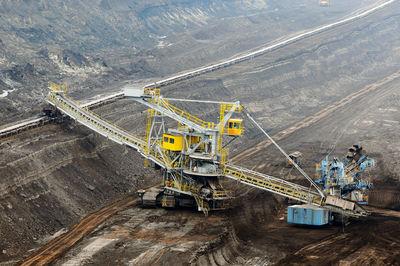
52, 176
41, 171
93, 46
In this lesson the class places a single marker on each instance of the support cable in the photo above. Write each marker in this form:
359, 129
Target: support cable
284, 153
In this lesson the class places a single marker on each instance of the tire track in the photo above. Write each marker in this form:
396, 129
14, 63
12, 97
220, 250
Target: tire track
57, 247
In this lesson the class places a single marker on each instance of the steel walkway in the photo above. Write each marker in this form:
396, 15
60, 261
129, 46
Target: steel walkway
178, 115
91, 120
292, 190
273, 184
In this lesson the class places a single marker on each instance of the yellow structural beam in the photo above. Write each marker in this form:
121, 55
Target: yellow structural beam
281, 189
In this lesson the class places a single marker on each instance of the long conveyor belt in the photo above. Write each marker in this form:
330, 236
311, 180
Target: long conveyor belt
121, 136
89, 119
273, 184
158, 155
291, 190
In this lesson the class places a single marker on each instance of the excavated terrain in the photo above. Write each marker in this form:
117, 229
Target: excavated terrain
334, 89
95, 46
43, 168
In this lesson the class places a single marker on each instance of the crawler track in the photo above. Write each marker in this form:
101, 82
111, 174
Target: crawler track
57, 247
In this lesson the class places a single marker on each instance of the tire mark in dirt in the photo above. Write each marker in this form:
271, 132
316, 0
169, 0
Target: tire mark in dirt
371, 241
315, 117
57, 247
383, 212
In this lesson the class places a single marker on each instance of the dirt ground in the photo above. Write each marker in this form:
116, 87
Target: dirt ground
253, 233
368, 241
53, 176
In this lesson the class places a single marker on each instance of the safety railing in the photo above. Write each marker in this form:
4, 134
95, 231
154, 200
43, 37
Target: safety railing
75, 107
180, 186
224, 153
107, 129
202, 204
218, 194
283, 189
186, 115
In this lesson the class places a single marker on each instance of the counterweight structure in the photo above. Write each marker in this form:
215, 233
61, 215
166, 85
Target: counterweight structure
192, 154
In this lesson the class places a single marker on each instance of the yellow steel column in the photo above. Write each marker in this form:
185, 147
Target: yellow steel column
148, 128
221, 127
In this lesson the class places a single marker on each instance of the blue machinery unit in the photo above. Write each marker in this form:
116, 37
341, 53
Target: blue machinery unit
339, 179
344, 179
308, 214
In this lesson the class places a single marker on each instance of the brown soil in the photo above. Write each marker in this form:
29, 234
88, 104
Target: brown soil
58, 246
53, 176
368, 241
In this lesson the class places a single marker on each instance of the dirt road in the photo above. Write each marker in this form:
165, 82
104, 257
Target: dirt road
371, 240
53, 250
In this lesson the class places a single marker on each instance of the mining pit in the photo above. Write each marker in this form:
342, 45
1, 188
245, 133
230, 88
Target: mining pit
334, 89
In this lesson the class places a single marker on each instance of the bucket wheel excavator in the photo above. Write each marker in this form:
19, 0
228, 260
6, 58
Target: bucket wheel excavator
193, 159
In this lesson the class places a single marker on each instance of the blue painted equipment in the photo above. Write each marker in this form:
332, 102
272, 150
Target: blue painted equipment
308, 214
343, 179
340, 181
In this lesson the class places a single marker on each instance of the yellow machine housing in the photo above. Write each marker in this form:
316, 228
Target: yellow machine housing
172, 143
324, 3
235, 127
